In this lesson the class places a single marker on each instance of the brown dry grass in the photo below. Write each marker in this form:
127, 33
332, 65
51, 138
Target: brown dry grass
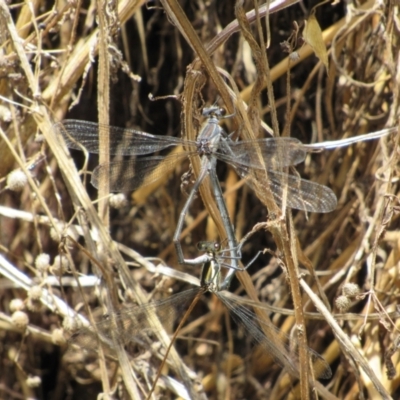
51, 68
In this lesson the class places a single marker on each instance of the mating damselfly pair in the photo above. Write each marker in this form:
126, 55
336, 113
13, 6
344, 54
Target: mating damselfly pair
212, 144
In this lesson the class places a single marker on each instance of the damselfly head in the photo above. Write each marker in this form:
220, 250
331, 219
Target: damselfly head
207, 246
213, 111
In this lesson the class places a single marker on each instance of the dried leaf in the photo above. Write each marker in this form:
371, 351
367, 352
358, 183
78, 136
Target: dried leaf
312, 34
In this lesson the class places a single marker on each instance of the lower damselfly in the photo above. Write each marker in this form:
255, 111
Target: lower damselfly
133, 322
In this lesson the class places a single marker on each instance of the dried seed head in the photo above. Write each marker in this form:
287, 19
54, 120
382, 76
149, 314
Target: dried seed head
350, 289
12, 353
16, 180
20, 319
57, 232
61, 231
294, 56
71, 233
34, 305
118, 201
57, 337
60, 265
5, 113
129, 294
35, 292
33, 381
42, 262
39, 138
342, 303
72, 324
16, 305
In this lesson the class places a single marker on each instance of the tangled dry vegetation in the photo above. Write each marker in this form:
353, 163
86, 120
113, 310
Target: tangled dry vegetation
334, 276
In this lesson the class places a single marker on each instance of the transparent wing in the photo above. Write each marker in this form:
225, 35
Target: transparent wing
272, 153
299, 194
276, 343
132, 322
127, 175
123, 141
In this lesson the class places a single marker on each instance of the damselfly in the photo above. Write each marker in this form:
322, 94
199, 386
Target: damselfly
270, 154
133, 322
